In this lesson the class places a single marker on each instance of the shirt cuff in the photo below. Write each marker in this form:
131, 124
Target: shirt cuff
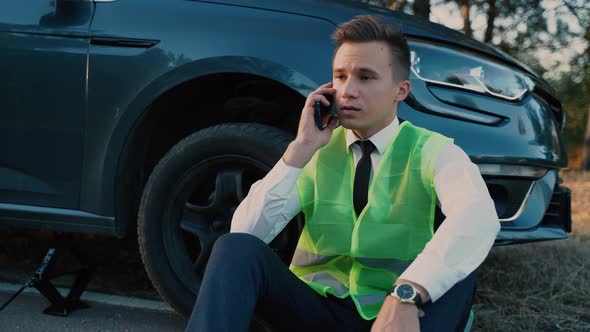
436, 284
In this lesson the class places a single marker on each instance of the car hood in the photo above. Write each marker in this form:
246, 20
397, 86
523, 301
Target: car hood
338, 11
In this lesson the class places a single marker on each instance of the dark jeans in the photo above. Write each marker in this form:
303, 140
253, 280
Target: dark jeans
244, 277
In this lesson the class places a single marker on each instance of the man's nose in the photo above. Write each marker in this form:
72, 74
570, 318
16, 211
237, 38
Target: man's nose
349, 89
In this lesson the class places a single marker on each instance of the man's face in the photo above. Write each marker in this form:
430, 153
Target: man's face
366, 92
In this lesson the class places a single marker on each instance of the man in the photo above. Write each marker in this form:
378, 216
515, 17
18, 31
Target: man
368, 257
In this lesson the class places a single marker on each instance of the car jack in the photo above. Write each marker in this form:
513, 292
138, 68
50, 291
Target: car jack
41, 280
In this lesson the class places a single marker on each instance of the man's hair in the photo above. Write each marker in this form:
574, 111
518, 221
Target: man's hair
367, 28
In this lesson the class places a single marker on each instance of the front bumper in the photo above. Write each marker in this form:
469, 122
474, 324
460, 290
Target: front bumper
542, 213
517, 146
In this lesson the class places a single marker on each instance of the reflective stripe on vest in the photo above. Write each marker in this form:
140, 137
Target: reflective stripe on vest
324, 278
343, 254
394, 265
370, 299
303, 258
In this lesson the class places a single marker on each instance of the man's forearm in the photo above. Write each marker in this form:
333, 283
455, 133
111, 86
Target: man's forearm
465, 237
269, 205
456, 249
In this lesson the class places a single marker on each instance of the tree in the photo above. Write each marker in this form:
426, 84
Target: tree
492, 13
398, 5
582, 13
586, 148
422, 8
576, 98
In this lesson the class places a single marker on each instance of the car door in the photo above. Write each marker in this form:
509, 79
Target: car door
43, 63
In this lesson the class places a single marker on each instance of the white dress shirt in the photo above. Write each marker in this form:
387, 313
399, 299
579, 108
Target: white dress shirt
457, 248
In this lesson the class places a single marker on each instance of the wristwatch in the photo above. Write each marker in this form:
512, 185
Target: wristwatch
406, 293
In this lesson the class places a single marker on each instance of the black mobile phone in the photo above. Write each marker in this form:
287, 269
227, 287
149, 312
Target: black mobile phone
324, 112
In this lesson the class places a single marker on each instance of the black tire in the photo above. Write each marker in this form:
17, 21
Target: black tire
190, 197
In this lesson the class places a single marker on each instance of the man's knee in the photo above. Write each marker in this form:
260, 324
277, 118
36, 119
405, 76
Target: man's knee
238, 246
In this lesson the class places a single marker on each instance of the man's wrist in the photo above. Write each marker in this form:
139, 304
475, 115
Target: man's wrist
409, 309
403, 305
405, 309
299, 154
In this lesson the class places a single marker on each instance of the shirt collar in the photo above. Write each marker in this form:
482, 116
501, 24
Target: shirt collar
380, 139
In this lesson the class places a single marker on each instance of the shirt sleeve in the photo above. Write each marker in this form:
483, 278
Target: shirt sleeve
270, 204
467, 234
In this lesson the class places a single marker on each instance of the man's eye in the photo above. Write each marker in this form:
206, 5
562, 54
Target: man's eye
364, 78
339, 77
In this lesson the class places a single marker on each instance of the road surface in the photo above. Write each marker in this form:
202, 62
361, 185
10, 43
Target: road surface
107, 313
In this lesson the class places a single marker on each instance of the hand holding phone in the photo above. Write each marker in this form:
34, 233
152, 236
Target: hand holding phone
309, 139
324, 112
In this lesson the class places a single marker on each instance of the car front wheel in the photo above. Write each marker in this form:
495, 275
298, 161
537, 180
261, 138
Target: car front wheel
189, 200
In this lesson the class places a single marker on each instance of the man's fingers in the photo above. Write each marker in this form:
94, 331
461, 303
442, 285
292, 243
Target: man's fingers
324, 100
324, 91
318, 95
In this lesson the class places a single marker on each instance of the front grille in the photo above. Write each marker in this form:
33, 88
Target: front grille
559, 210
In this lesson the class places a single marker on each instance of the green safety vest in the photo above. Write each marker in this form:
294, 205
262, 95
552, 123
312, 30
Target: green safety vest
343, 254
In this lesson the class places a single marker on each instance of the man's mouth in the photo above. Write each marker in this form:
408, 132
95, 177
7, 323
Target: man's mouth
349, 108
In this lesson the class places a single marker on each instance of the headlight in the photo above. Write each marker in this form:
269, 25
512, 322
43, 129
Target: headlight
529, 172
444, 66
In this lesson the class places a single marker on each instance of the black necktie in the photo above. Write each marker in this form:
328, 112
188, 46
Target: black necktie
362, 176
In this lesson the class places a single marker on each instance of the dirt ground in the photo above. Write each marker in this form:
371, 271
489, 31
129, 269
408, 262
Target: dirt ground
533, 287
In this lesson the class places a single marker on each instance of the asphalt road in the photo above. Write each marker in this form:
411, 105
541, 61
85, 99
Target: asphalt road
107, 313
135, 307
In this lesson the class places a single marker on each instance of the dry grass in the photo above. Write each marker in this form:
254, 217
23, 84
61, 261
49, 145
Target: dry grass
541, 286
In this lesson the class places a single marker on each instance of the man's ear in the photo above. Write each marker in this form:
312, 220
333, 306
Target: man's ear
403, 90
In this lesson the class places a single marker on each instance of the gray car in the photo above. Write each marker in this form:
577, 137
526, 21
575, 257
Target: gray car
154, 117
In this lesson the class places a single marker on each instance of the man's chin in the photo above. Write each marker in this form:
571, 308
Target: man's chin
348, 124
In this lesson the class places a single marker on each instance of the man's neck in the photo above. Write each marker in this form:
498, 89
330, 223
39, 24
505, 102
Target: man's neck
365, 134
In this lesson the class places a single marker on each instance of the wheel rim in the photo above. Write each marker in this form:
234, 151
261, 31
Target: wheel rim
199, 211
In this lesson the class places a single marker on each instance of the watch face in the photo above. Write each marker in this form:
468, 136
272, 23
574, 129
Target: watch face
405, 292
